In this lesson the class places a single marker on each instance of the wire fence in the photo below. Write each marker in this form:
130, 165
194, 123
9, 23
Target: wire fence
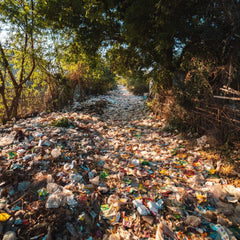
30, 103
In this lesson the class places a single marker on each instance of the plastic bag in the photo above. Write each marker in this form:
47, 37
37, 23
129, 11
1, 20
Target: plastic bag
193, 221
55, 153
54, 201
10, 235
162, 230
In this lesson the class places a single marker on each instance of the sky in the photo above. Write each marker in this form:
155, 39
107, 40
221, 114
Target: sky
3, 33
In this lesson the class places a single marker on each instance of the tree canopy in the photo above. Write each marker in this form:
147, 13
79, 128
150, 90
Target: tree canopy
141, 39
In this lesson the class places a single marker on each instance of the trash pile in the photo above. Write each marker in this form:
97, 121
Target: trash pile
109, 171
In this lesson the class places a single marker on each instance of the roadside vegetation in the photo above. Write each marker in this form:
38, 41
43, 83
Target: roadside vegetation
58, 51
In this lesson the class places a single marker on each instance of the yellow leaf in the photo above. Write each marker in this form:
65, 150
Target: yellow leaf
164, 172
4, 217
182, 155
212, 171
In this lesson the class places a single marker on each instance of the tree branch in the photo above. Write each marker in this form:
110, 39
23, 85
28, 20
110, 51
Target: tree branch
23, 58
2, 92
32, 49
8, 67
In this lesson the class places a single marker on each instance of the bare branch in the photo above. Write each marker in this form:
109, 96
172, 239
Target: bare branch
23, 57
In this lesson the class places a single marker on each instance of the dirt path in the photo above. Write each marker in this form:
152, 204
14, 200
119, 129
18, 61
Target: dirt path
107, 170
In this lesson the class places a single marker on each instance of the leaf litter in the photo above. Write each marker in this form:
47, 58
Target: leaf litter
107, 170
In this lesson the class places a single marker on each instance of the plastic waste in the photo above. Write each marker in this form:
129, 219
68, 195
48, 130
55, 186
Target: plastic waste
71, 201
42, 193
5, 141
56, 153
50, 178
113, 237
53, 187
135, 162
232, 190
140, 207
154, 207
109, 212
193, 221
72, 229
75, 177
221, 231
3, 203
103, 189
111, 147
23, 186
113, 199
54, 201
10, 235
95, 180
148, 219
202, 140
163, 229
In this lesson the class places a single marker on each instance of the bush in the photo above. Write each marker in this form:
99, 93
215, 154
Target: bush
137, 86
63, 122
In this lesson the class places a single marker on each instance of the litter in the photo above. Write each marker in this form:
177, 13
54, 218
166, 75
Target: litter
107, 170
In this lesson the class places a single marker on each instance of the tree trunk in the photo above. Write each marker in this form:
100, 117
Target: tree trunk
168, 67
15, 102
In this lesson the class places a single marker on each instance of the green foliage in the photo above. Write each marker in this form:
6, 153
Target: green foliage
88, 75
45, 52
137, 86
91, 73
63, 122
17, 55
89, 23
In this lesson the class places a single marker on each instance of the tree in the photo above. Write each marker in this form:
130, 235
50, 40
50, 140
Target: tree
20, 15
89, 23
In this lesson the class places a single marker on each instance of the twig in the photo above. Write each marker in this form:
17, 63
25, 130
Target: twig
229, 98
19, 198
